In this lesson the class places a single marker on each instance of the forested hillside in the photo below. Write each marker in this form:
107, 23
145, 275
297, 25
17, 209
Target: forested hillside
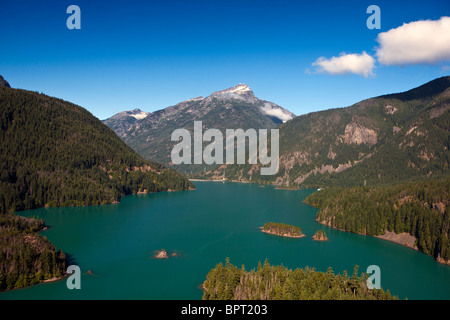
420, 209
54, 153
396, 137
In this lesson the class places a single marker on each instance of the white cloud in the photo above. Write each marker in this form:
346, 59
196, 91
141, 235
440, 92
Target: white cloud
276, 112
361, 64
416, 42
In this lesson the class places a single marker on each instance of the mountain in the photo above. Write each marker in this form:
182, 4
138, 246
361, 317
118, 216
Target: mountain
391, 138
55, 153
123, 121
4, 83
232, 108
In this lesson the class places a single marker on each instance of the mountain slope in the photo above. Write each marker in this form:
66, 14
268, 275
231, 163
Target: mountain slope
54, 153
232, 108
123, 121
4, 83
394, 137
418, 212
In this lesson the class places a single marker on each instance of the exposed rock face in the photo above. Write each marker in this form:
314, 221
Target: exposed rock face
373, 141
162, 254
331, 154
395, 129
320, 236
441, 260
4, 83
402, 238
440, 110
390, 109
357, 134
439, 206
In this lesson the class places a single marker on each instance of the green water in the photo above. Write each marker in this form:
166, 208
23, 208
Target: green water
218, 220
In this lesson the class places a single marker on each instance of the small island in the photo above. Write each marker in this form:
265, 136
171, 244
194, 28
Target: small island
320, 236
162, 254
283, 230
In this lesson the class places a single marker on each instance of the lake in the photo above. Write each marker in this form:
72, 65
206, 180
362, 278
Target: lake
117, 243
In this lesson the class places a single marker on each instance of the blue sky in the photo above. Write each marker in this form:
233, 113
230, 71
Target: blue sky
153, 54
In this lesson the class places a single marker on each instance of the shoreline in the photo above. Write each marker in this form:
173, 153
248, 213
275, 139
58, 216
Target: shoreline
282, 235
384, 236
101, 204
389, 236
161, 254
294, 188
404, 239
54, 279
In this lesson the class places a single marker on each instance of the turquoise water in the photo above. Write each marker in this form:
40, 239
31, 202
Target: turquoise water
218, 220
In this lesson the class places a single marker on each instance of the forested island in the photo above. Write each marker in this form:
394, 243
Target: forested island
27, 258
320, 235
417, 211
283, 230
228, 282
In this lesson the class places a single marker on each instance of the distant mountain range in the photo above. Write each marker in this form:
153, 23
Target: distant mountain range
391, 138
150, 133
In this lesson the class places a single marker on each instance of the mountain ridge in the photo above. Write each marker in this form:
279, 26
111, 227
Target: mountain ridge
231, 108
377, 140
55, 153
4, 83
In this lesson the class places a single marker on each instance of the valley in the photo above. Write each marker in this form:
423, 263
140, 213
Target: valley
380, 166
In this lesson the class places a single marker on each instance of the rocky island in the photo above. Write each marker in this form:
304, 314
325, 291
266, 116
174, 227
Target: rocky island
162, 254
320, 236
283, 230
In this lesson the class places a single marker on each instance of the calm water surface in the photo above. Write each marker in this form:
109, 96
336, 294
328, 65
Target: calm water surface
218, 220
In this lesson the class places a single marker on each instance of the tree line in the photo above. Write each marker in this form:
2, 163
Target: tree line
268, 282
26, 258
418, 208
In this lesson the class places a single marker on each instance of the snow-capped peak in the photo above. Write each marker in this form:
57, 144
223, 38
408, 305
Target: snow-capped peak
240, 88
240, 92
138, 114
195, 99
